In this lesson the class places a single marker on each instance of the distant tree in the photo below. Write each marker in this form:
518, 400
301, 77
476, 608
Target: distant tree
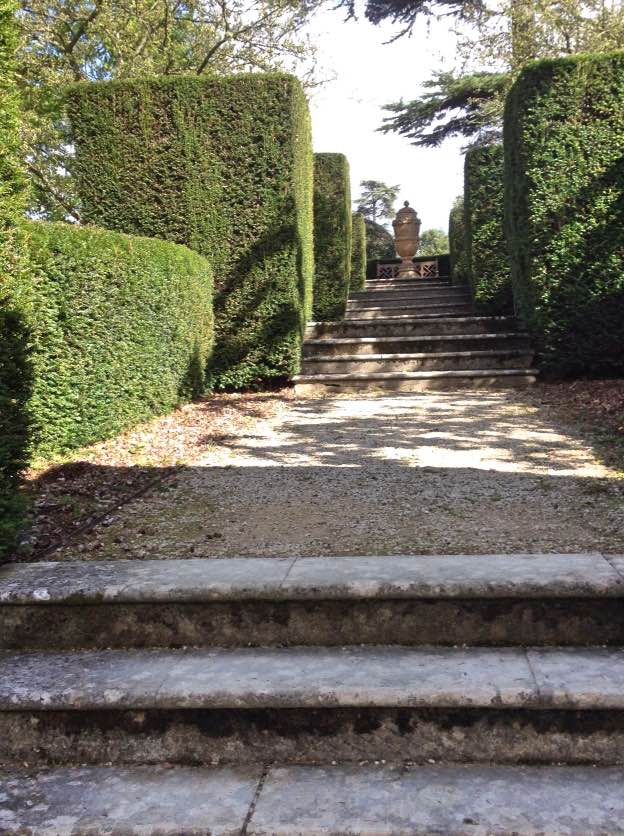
433, 242
405, 12
376, 201
379, 242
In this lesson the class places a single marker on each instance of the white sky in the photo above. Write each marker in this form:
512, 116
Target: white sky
368, 74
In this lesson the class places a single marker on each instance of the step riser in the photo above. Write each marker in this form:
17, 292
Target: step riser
418, 286
375, 313
400, 364
204, 736
414, 296
322, 390
426, 328
417, 346
501, 622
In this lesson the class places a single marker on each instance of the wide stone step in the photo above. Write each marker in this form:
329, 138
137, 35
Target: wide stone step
308, 704
415, 296
322, 385
283, 800
415, 344
441, 361
415, 284
399, 312
409, 600
411, 327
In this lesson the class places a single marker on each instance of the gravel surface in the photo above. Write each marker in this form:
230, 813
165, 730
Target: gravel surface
475, 472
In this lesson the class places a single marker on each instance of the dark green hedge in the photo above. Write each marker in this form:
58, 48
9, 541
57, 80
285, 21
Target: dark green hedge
564, 179
15, 369
332, 236
358, 252
488, 261
120, 328
457, 243
223, 165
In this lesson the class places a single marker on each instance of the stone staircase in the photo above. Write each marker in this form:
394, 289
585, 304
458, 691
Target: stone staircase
410, 336
460, 694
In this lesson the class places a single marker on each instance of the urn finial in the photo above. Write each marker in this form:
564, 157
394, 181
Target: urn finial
406, 238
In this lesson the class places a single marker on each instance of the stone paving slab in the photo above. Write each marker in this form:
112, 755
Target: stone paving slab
455, 801
452, 576
267, 677
137, 580
136, 802
617, 561
579, 677
397, 576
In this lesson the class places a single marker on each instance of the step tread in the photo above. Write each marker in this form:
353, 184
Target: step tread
421, 355
451, 320
416, 337
570, 678
425, 375
312, 578
282, 800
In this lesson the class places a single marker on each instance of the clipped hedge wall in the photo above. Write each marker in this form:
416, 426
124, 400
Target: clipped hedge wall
120, 329
223, 165
358, 252
488, 261
457, 243
332, 236
15, 368
564, 179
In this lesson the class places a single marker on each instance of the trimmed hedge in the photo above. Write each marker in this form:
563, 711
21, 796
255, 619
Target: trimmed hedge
457, 243
15, 367
332, 236
358, 252
120, 328
489, 272
564, 179
223, 165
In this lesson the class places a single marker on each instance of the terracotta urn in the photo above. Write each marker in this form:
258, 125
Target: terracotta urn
406, 239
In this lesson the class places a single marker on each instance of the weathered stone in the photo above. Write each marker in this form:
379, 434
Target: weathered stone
579, 677
475, 801
135, 802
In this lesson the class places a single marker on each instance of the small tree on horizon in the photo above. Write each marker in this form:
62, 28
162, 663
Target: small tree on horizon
376, 201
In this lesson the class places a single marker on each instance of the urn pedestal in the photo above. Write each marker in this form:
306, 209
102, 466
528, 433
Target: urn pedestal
406, 239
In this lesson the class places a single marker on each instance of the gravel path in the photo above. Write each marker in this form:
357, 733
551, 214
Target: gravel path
440, 473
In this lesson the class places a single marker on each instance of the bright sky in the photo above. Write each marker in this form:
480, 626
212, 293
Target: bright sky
346, 111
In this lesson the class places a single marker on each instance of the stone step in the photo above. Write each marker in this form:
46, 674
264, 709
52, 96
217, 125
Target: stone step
503, 340
415, 284
306, 704
322, 385
282, 800
441, 361
409, 600
415, 296
411, 327
399, 312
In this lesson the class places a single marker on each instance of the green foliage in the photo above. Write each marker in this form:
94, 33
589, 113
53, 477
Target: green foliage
469, 106
433, 242
379, 242
120, 329
488, 261
376, 201
358, 252
15, 368
457, 243
564, 194
223, 165
332, 236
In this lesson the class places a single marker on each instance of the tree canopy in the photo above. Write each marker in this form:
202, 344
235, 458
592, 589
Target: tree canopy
376, 201
433, 242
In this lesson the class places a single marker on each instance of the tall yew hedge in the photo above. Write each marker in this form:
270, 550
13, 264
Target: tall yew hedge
120, 329
488, 261
564, 184
457, 243
15, 369
332, 235
223, 165
358, 252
